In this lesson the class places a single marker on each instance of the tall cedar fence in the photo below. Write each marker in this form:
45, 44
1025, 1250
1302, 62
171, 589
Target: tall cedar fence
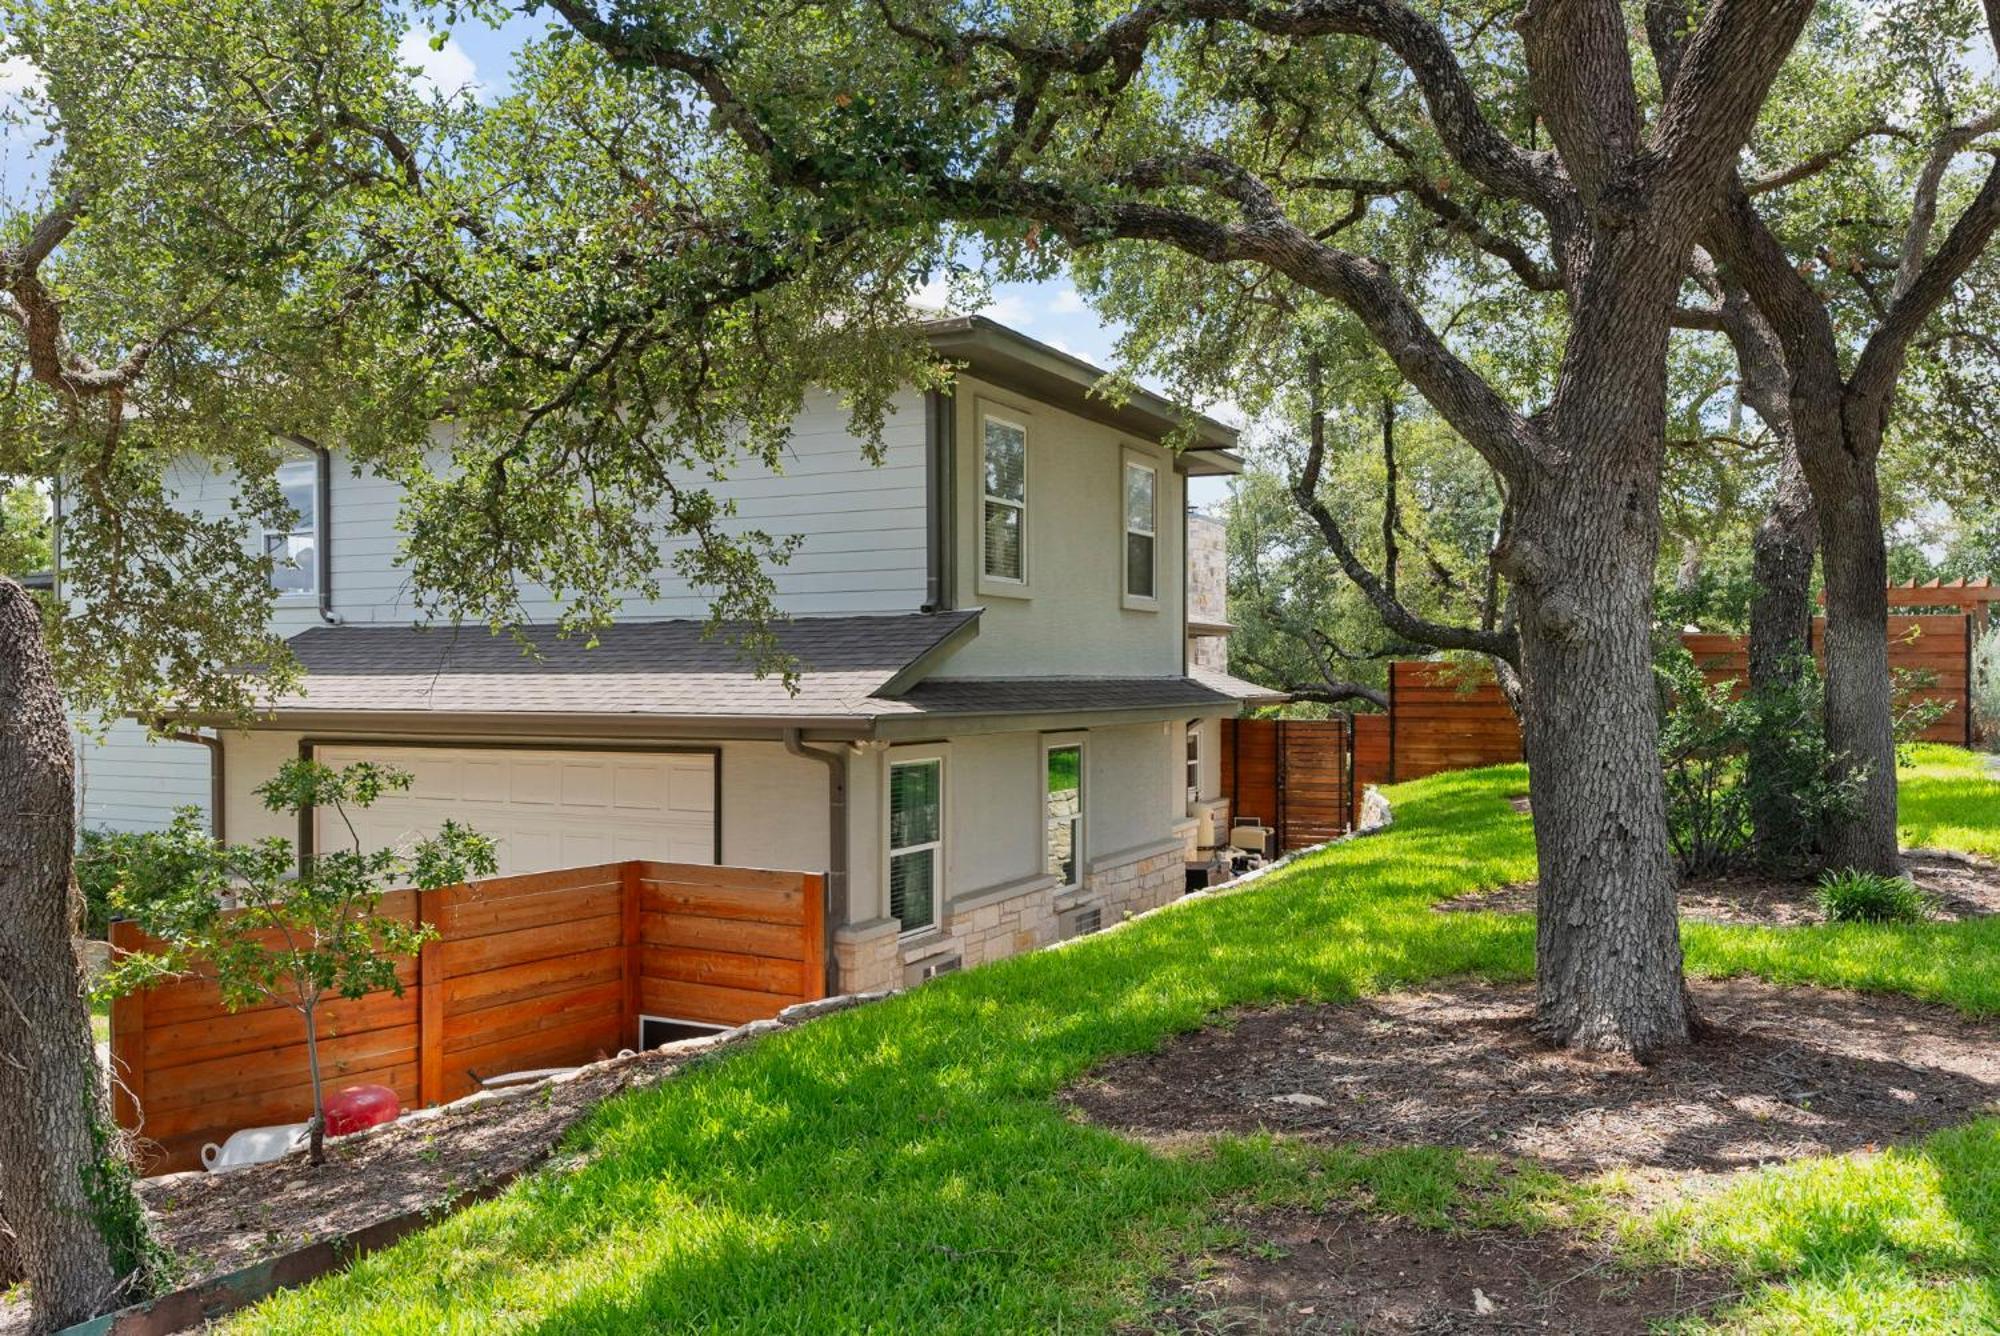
1447, 716
545, 970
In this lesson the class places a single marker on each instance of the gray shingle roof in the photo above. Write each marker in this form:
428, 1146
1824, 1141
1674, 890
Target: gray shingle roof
851, 671
651, 668
1248, 692
1061, 695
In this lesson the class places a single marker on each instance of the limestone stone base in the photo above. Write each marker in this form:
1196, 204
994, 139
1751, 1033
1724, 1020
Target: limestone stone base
1005, 921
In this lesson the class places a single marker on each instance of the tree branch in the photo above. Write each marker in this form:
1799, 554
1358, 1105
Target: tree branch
1719, 80
1398, 618
1825, 158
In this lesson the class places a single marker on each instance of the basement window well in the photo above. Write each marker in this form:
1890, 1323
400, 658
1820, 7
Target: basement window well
657, 1030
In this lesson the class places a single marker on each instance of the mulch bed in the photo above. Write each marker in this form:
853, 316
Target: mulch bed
217, 1223
1781, 1073
1346, 1272
1964, 887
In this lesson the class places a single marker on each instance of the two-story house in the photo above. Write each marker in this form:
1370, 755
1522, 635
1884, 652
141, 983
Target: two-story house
998, 738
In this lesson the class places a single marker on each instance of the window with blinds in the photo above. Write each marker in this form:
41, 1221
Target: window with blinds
1003, 529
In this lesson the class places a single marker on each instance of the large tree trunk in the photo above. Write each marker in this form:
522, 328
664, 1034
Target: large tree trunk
1860, 710
61, 1198
1585, 546
1780, 634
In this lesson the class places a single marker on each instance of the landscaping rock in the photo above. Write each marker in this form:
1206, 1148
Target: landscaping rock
1376, 814
826, 1006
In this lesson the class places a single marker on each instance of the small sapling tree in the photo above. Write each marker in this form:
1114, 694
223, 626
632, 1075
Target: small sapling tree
274, 927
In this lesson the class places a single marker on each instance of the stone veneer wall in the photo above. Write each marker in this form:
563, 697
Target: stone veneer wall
871, 956
1134, 887
1208, 569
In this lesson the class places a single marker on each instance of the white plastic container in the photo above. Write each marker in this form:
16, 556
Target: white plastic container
253, 1145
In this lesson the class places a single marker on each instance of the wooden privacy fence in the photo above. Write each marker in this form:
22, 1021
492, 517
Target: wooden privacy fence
1290, 774
1445, 716
544, 970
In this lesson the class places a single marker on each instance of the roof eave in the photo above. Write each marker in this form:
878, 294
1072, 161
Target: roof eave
567, 724
994, 352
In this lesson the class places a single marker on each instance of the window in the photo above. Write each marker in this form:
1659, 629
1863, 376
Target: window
1063, 769
294, 552
1004, 522
1194, 763
1141, 480
916, 841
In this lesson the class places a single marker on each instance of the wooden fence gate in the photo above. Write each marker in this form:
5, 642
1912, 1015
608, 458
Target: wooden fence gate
1290, 774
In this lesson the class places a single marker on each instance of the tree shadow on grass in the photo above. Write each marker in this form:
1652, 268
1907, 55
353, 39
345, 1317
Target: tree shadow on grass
1783, 1074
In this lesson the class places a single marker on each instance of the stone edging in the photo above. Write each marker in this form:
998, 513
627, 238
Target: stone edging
220, 1295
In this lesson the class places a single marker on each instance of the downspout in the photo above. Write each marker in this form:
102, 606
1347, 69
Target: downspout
216, 788
322, 522
940, 500
323, 529
836, 839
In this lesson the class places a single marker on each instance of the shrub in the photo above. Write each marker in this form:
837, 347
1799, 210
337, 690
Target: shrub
1708, 736
1854, 896
108, 859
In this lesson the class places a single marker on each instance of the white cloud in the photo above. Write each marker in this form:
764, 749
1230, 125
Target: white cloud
1067, 301
18, 75
934, 295
1228, 412
1012, 309
445, 70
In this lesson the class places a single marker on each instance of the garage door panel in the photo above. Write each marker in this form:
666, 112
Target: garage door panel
638, 788
483, 781
586, 785
534, 783
689, 790
543, 810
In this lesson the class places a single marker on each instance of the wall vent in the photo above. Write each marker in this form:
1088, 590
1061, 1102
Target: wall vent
922, 971
1086, 921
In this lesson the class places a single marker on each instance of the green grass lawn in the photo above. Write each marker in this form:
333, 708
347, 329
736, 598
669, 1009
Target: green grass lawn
1950, 799
903, 1167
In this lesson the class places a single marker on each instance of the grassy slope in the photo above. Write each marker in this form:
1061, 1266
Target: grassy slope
902, 1166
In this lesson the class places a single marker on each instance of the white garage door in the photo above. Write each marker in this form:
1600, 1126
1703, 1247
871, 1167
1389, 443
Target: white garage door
545, 809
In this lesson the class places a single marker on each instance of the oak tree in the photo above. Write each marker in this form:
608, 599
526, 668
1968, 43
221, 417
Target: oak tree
1195, 125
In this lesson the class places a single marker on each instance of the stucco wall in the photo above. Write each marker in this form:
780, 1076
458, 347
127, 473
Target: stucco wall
1068, 618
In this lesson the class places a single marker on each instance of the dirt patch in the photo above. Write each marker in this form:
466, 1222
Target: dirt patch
214, 1223
1346, 1272
219, 1222
1781, 1074
1964, 887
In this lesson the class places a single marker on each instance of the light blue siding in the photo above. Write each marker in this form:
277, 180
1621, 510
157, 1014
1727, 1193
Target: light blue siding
125, 782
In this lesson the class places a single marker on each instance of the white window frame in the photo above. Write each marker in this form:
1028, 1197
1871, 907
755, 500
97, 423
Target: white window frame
1130, 460
1193, 763
937, 846
1081, 821
311, 519
989, 582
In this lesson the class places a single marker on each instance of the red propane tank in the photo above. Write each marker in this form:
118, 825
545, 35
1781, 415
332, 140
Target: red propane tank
359, 1107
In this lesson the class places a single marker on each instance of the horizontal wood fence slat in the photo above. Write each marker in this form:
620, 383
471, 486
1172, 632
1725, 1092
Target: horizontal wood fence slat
1453, 717
544, 970
1446, 716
